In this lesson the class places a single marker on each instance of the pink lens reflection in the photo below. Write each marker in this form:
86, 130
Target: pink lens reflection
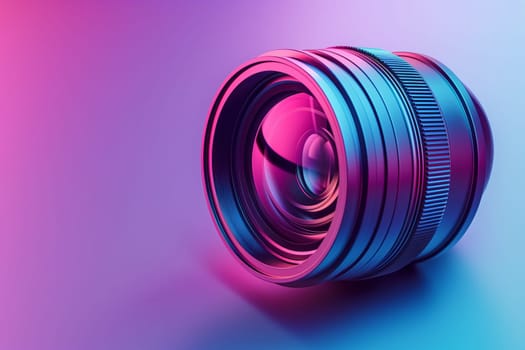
295, 171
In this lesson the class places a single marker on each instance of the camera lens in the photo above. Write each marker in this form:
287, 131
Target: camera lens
343, 163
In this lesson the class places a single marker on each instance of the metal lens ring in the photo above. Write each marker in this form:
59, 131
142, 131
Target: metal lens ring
343, 163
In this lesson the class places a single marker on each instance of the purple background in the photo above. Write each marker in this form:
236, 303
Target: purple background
105, 237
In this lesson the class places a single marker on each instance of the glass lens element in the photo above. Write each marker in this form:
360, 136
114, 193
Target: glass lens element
294, 167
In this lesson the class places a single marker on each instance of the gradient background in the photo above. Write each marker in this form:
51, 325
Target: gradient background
105, 237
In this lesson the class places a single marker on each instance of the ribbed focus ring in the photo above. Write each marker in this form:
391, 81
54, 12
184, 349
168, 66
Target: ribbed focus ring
436, 154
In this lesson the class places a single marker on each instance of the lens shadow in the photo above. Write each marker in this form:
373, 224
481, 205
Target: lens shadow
319, 308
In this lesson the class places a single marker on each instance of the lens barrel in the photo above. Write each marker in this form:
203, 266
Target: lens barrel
343, 163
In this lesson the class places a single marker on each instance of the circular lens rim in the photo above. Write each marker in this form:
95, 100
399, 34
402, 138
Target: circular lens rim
346, 206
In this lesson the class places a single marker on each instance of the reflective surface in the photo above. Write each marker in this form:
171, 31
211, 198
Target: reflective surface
106, 241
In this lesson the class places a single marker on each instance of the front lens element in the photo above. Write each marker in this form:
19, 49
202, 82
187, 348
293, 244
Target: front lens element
343, 163
294, 168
